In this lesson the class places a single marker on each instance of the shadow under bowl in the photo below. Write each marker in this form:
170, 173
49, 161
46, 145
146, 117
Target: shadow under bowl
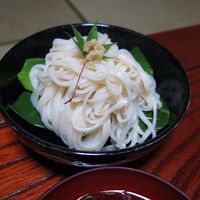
171, 79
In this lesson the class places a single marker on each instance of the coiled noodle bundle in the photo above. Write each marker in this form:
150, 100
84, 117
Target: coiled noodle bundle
109, 101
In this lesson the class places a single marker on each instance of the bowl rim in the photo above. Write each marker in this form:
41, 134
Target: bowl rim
162, 134
114, 169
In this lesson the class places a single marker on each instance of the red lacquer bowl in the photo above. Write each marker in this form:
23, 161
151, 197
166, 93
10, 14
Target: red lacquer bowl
144, 185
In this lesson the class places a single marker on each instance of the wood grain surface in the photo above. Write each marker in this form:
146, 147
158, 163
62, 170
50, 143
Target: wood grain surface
25, 175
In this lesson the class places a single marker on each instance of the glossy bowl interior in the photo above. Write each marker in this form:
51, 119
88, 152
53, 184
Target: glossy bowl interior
171, 79
142, 185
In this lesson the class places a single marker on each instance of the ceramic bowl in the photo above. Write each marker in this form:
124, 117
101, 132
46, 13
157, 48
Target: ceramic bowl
171, 79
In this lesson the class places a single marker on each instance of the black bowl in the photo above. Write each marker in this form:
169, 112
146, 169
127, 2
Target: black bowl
171, 79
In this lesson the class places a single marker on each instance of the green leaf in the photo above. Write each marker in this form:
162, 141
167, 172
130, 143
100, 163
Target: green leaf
140, 58
106, 57
163, 116
79, 39
93, 33
24, 108
107, 47
23, 75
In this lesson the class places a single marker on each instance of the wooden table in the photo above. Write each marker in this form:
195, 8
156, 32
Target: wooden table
25, 175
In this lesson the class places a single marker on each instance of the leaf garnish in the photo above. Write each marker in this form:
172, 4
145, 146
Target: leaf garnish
23, 75
24, 108
70, 36
107, 47
79, 39
140, 58
93, 33
106, 57
163, 116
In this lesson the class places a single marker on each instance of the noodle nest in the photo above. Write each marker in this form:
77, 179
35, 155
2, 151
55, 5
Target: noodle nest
109, 93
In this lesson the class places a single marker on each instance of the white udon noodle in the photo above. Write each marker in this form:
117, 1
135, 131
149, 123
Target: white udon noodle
110, 100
